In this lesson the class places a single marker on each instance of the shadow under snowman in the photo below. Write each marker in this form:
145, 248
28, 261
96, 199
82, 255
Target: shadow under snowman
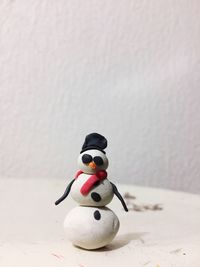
92, 225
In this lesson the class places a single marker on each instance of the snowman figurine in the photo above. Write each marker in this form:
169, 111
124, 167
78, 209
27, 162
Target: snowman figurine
92, 225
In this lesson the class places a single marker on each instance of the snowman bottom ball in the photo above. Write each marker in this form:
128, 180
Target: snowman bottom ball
91, 227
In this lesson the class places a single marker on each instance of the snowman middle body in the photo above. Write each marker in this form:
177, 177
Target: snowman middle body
100, 195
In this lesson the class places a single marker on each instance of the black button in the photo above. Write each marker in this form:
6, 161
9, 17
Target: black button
97, 215
96, 197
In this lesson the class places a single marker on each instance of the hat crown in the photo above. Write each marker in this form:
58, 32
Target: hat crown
94, 141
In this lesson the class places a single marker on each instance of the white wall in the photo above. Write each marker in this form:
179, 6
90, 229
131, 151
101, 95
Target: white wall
129, 70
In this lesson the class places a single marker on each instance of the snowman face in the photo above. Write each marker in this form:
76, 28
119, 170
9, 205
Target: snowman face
91, 161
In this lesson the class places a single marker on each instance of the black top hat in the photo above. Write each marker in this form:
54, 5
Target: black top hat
94, 141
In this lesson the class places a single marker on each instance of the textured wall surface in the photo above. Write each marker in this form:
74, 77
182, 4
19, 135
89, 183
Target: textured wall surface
127, 69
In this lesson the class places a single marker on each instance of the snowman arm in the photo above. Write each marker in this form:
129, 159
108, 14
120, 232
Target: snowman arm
116, 192
66, 193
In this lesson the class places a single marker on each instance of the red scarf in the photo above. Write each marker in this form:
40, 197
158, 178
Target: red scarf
87, 186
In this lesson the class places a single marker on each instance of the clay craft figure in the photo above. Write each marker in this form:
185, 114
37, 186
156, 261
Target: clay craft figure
92, 225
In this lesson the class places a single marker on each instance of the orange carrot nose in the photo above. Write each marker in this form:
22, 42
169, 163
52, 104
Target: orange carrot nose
92, 165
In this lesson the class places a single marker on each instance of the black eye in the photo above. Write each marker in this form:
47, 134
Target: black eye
86, 158
98, 161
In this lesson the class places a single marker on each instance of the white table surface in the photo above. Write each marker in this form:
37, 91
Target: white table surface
31, 232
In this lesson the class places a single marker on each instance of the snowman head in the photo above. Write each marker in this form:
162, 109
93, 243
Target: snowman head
92, 161
93, 157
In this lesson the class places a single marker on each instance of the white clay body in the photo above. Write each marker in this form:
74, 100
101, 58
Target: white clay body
103, 189
91, 227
